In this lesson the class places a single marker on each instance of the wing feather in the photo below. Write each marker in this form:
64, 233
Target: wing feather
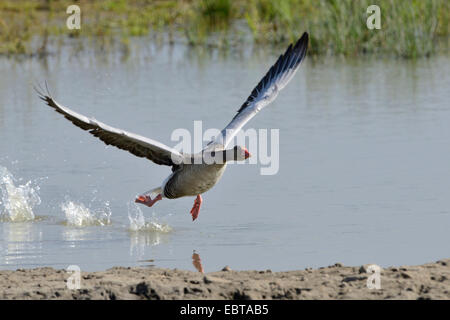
267, 89
137, 145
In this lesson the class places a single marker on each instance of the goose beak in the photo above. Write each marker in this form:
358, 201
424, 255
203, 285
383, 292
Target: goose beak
247, 154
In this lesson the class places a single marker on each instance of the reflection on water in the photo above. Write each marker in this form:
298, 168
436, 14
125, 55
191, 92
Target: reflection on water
20, 242
141, 240
197, 262
74, 235
363, 161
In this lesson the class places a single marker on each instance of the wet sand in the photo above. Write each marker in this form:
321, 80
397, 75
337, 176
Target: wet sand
427, 281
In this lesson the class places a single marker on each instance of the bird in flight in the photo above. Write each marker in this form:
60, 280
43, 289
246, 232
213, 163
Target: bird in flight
193, 174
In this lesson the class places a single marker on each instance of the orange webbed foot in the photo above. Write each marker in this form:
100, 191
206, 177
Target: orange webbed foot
196, 208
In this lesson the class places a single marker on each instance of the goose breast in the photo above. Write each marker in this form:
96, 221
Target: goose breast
193, 179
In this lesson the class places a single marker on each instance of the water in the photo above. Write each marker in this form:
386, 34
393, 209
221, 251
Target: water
79, 216
363, 178
17, 201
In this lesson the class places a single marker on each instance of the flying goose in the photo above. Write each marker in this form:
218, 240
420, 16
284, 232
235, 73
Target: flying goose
191, 177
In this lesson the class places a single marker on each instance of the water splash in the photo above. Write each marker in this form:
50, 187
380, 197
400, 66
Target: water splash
17, 203
78, 215
144, 234
138, 223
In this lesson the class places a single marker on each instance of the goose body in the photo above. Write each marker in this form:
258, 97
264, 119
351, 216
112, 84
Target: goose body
186, 180
190, 177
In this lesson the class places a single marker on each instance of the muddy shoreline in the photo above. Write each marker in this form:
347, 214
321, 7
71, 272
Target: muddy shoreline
427, 281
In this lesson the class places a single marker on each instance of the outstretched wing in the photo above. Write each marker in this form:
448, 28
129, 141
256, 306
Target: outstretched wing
138, 145
267, 89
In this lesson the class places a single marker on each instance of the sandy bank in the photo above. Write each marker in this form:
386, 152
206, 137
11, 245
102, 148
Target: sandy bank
428, 281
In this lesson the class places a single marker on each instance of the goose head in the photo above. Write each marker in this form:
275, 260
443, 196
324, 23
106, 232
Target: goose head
240, 153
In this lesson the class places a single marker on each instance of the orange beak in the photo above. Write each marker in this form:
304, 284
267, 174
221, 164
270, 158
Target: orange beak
247, 154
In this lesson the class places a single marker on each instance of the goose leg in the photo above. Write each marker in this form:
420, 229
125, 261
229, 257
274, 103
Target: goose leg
196, 208
147, 200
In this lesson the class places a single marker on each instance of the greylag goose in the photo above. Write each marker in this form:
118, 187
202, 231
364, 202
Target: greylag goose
191, 177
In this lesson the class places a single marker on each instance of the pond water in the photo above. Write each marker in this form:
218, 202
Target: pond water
363, 174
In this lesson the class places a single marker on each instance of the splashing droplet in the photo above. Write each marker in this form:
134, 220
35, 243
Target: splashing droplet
17, 202
138, 223
78, 215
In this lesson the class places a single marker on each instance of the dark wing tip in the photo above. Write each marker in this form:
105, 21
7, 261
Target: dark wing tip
44, 94
304, 39
302, 43
298, 50
305, 36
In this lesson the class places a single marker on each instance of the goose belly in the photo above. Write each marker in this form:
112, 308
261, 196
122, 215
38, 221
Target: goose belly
193, 180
